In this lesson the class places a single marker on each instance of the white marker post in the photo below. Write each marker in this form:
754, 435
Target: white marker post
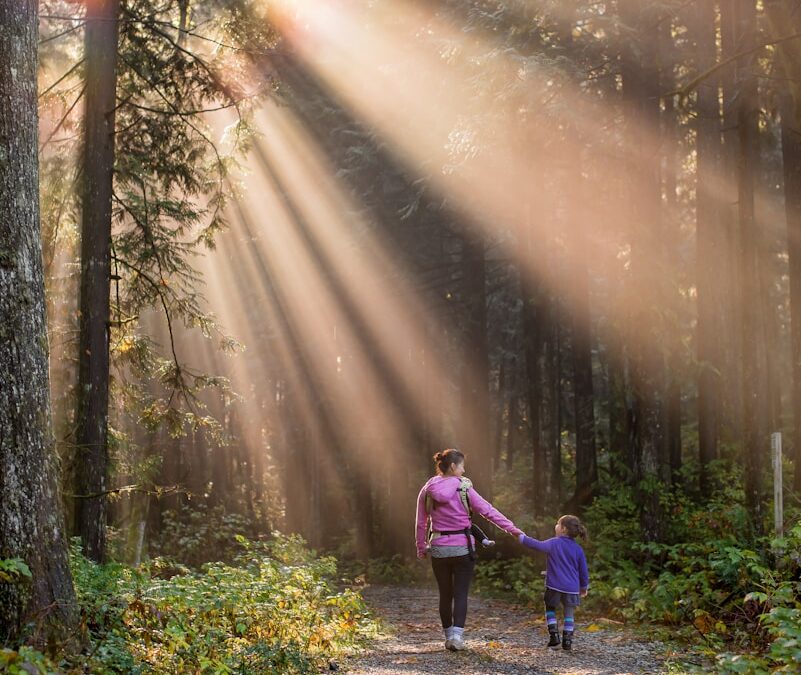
778, 504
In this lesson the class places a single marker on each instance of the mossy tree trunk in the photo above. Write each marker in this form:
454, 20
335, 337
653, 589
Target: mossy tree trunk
30, 516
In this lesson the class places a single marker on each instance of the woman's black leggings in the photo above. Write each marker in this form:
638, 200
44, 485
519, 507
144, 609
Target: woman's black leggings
453, 578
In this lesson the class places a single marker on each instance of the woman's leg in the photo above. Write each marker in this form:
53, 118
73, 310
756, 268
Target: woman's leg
462, 576
443, 572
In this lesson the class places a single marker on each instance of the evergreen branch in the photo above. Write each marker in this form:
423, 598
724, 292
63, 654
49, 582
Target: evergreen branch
166, 24
684, 91
201, 62
63, 119
206, 38
62, 33
52, 248
157, 287
220, 163
158, 491
188, 113
61, 79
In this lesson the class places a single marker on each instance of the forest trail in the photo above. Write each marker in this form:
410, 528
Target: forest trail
501, 638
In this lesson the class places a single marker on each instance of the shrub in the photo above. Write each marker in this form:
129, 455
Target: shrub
274, 610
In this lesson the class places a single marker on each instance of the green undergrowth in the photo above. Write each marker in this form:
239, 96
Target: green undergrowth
733, 599
274, 609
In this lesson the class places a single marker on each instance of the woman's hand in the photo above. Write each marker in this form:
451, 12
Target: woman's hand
584, 592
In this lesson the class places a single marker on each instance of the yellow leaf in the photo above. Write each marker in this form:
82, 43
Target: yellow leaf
593, 628
492, 644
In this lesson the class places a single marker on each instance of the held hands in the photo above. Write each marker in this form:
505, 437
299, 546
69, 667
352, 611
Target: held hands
583, 592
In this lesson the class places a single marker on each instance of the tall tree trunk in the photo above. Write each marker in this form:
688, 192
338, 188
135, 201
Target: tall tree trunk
533, 310
586, 463
553, 360
504, 413
31, 526
579, 297
731, 408
791, 158
783, 21
708, 241
747, 165
670, 464
475, 383
93, 365
641, 89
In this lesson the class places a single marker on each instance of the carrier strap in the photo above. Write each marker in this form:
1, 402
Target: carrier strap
466, 532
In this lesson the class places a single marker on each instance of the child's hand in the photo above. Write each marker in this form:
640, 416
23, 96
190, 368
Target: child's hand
584, 592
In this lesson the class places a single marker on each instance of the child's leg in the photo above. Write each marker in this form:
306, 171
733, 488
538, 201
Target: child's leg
550, 618
567, 634
553, 625
551, 599
569, 614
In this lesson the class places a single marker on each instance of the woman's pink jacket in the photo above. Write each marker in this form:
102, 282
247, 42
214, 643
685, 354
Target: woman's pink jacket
448, 513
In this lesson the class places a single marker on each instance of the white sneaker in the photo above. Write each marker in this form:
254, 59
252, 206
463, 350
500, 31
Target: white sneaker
457, 640
457, 645
448, 637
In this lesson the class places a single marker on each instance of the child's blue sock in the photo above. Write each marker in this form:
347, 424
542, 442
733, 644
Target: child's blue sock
550, 619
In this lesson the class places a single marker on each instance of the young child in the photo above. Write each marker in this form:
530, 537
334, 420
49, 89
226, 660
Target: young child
566, 575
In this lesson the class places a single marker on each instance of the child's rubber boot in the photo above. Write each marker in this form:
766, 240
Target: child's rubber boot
567, 640
554, 637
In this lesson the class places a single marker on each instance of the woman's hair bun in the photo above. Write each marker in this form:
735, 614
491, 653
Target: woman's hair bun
444, 459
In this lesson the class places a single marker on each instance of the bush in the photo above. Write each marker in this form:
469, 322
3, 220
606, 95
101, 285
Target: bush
200, 534
275, 610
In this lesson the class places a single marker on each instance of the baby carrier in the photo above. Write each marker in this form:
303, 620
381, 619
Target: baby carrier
464, 486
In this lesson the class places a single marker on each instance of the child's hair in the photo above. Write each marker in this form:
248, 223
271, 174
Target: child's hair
573, 526
447, 457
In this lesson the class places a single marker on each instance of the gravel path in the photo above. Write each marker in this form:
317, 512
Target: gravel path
501, 638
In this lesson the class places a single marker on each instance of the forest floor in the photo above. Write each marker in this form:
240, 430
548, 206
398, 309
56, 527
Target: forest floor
501, 638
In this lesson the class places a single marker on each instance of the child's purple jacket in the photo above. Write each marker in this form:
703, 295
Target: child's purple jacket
565, 565
449, 513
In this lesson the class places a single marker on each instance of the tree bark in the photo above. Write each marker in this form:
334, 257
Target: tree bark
101, 41
579, 299
708, 244
641, 90
475, 369
31, 526
784, 20
747, 164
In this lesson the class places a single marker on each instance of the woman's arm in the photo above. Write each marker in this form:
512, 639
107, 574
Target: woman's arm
484, 508
421, 521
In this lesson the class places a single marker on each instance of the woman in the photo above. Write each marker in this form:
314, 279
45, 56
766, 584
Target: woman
446, 500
